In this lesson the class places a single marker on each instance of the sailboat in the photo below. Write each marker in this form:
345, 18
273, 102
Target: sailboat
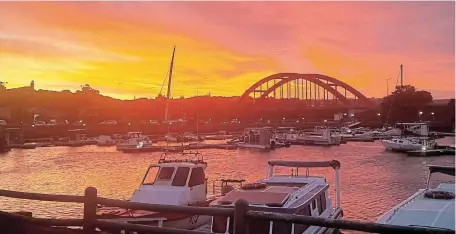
169, 137
414, 136
140, 146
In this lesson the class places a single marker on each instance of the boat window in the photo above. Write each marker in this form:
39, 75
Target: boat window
314, 204
180, 179
166, 173
300, 228
149, 179
322, 203
197, 177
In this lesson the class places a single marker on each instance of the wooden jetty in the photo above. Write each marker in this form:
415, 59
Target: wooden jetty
24, 223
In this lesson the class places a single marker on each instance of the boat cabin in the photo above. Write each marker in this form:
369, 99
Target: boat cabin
290, 194
258, 136
420, 129
173, 182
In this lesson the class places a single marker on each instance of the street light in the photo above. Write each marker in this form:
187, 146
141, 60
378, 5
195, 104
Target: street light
378, 114
419, 115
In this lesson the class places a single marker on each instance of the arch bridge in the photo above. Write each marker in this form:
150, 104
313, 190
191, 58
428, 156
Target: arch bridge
315, 89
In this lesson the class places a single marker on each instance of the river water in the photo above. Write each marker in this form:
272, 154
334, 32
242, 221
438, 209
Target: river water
372, 180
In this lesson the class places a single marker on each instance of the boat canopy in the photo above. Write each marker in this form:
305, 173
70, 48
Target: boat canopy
334, 164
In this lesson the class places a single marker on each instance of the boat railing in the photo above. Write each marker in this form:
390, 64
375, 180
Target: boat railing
241, 213
217, 185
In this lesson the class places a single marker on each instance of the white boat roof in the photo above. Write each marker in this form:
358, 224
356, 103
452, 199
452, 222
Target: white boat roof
423, 211
180, 163
134, 132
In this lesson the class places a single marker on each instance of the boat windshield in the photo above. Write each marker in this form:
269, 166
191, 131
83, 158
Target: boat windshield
149, 179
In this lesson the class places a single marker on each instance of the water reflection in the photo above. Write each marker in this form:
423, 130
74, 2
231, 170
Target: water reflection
373, 180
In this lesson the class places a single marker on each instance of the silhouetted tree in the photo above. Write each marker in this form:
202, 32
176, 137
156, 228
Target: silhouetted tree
404, 104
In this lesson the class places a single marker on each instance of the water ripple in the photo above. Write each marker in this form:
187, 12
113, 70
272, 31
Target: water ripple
373, 181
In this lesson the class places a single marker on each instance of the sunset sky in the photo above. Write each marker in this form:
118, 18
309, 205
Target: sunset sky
123, 49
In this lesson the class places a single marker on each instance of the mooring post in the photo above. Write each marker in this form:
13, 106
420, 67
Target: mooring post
240, 220
90, 210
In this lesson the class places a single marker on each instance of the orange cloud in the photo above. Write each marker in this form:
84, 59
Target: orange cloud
124, 48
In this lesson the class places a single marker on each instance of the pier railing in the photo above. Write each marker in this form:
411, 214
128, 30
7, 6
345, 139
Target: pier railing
23, 223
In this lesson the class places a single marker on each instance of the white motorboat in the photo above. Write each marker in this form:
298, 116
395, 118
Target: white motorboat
105, 140
168, 182
170, 138
133, 140
319, 137
431, 208
32, 145
291, 194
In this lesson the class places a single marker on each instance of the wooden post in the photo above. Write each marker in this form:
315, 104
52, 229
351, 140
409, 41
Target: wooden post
240, 223
90, 210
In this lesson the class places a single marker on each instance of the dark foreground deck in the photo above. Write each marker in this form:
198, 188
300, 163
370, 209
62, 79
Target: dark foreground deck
24, 223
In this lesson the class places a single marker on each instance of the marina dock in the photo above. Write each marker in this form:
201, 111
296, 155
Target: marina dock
440, 151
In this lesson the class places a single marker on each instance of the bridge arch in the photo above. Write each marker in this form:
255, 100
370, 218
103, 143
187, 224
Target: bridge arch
329, 84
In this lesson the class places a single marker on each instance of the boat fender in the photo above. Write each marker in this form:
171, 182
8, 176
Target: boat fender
253, 186
439, 195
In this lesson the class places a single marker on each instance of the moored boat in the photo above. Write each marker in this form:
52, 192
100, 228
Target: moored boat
415, 136
134, 140
290, 194
432, 208
169, 182
258, 138
105, 140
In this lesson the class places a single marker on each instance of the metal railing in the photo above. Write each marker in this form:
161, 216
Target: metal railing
241, 215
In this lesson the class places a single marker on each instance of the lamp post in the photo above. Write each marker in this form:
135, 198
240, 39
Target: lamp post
419, 115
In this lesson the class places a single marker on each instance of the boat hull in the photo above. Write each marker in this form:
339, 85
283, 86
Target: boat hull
189, 222
253, 146
106, 143
165, 219
389, 145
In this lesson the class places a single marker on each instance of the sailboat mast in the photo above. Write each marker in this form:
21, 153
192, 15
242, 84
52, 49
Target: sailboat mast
168, 94
402, 76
